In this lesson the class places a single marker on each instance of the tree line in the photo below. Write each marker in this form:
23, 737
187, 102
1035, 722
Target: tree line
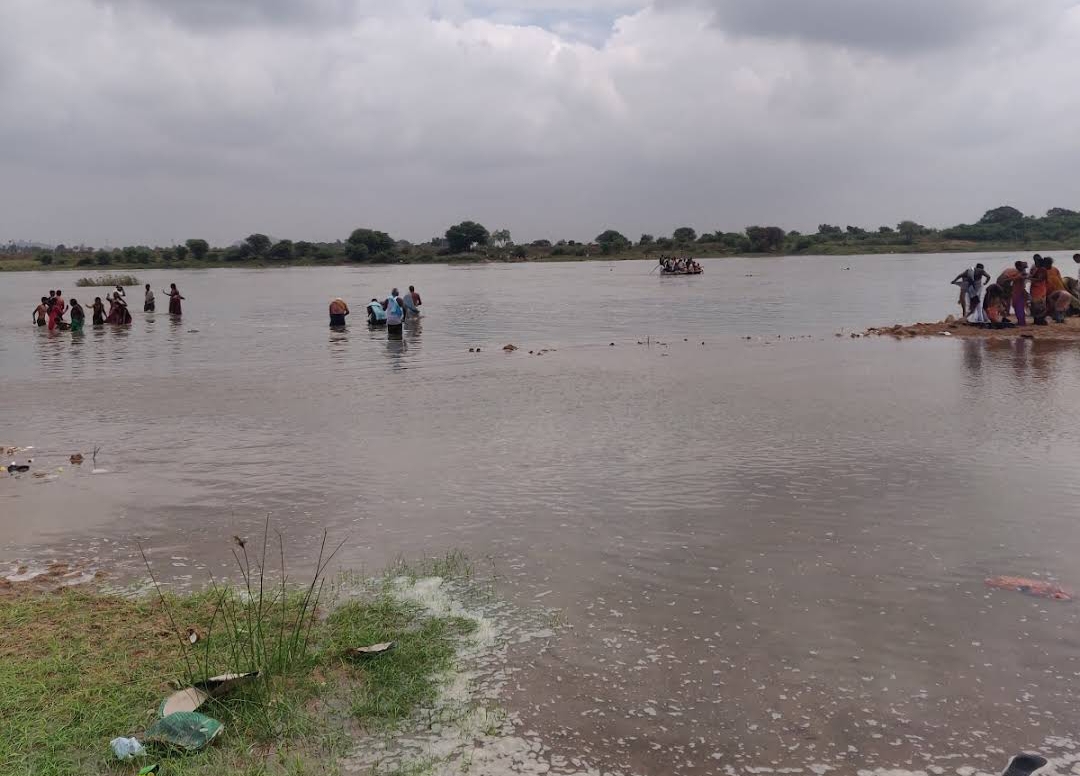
1003, 225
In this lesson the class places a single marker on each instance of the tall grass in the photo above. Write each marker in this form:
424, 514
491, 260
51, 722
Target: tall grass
262, 626
107, 280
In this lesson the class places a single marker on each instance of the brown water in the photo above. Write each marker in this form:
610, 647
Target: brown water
769, 553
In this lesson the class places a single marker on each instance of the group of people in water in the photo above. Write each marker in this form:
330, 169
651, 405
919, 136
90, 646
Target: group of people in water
391, 312
1021, 288
679, 266
52, 309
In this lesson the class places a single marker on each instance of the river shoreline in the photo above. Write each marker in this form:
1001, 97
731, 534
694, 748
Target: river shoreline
1069, 331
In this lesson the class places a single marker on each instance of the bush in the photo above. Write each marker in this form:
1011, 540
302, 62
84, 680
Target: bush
46, 259
85, 261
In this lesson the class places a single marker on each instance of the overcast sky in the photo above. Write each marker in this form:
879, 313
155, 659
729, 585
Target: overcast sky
151, 121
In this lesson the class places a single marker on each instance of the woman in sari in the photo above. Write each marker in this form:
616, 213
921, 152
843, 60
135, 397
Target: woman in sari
99, 311
118, 311
1038, 292
174, 300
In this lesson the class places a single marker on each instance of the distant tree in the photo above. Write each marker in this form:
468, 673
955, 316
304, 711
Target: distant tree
684, 234
1054, 212
257, 244
1001, 215
501, 237
706, 237
646, 239
856, 231
461, 238
85, 261
664, 243
303, 249
909, 230
181, 252
60, 249
45, 258
364, 244
611, 241
198, 248
282, 250
765, 239
104, 258
541, 243
520, 252
829, 229
167, 254
885, 230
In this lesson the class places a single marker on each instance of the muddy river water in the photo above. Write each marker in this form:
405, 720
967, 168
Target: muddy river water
767, 544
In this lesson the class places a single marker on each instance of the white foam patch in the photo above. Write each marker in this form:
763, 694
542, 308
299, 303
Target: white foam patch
466, 731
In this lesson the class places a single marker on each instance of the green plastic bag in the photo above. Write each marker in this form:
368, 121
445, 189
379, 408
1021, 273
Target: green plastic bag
187, 730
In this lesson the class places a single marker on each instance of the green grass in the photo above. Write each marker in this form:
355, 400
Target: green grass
107, 280
80, 668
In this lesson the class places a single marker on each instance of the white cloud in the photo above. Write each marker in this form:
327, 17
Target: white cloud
125, 122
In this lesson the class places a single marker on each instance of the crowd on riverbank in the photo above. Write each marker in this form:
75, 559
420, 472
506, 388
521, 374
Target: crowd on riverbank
391, 312
1038, 289
51, 310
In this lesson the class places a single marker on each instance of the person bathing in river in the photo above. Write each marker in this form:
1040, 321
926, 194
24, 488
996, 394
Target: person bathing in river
415, 298
174, 300
78, 316
395, 314
57, 310
376, 315
118, 310
996, 307
409, 306
148, 301
338, 311
41, 312
99, 311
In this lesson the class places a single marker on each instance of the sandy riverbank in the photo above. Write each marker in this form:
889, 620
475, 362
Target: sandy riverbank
950, 327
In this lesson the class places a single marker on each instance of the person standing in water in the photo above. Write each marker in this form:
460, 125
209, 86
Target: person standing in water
415, 297
338, 311
148, 301
174, 300
78, 316
57, 310
395, 314
41, 312
99, 311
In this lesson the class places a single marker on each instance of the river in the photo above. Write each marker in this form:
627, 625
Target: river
768, 542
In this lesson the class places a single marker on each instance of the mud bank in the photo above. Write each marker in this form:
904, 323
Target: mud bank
1068, 331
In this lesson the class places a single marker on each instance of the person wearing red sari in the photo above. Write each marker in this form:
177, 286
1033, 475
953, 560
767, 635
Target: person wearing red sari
56, 312
174, 300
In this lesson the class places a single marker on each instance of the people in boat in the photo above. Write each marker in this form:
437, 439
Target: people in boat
376, 313
395, 313
1038, 291
78, 316
41, 312
338, 311
970, 282
148, 301
174, 300
99, 311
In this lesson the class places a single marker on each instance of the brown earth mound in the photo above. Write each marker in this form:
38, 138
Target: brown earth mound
950, 327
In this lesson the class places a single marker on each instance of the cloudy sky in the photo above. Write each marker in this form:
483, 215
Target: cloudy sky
150, 121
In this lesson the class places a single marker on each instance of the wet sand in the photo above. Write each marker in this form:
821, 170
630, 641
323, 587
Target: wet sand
1069, 331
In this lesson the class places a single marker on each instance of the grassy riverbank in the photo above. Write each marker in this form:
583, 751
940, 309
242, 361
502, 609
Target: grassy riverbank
22, 263
79, 668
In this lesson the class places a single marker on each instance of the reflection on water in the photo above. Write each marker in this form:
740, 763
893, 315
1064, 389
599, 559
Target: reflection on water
769, 550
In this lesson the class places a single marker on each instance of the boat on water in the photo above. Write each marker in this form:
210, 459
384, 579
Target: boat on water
688, 266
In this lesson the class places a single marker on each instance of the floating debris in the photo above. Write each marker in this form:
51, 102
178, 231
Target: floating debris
510, 348
1033, 587
77, 459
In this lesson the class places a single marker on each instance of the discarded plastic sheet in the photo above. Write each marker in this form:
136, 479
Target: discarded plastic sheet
186, 700
217, 686
149, 769
192, 636
127, 748
373, 650
187, 730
